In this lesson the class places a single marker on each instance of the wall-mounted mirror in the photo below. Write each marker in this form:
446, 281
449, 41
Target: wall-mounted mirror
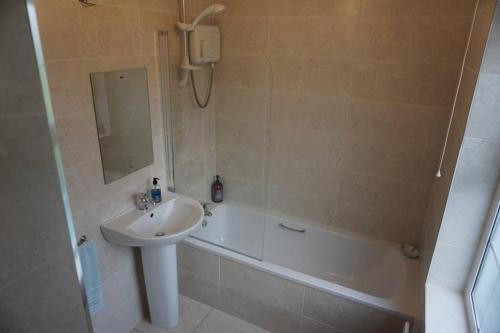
121, 105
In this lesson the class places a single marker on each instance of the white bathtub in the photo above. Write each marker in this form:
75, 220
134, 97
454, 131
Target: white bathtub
364, 270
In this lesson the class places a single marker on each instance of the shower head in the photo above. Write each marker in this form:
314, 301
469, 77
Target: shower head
212, 10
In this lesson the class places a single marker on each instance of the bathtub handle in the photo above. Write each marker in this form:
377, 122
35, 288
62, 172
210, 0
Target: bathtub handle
291, 229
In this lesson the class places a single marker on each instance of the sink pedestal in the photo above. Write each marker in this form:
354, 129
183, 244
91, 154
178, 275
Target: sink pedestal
160, 273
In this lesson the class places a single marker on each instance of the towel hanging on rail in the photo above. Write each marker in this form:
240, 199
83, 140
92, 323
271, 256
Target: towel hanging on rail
91, 275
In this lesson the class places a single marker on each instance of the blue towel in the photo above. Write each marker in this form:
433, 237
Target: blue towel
91, 276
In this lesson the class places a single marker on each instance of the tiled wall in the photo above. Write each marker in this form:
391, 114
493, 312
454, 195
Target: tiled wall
39, 290
333, 111
77, 41
273, 303
476, 140
194, 128
461, 224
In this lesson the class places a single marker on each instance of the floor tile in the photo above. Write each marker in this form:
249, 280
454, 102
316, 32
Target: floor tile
192, 314
220, 322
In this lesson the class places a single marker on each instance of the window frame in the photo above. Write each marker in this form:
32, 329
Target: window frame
493, 216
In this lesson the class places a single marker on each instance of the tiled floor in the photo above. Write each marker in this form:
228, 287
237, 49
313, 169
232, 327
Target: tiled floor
196, 317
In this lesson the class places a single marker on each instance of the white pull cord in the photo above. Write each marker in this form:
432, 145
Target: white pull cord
443, 152
406, 329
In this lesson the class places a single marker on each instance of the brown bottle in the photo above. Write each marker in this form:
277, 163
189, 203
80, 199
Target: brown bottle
217, 190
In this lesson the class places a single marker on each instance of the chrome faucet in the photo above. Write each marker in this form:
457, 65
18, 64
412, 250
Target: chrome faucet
206, 209
144, 201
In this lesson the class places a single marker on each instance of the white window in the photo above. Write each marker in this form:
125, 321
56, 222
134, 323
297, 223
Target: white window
483, 291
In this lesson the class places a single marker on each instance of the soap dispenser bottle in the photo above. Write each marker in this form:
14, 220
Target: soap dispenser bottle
217, 190
156, 191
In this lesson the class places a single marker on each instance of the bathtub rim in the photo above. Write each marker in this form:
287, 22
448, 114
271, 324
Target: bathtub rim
397, 305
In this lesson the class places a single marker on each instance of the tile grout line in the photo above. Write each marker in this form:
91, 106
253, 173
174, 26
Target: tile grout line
203, 320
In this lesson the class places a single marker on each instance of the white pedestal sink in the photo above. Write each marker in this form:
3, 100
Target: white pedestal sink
157, 231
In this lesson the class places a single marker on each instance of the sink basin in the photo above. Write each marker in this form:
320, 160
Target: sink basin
167, 223
156, 232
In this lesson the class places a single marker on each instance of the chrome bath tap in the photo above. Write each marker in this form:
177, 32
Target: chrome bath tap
206, 209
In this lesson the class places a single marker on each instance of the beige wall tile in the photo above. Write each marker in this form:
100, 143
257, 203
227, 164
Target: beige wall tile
242, 164
396, 160
310, 208
194, 7
479, 37
262, 286
242, 103
164, 5
70, 88
414, 124
333, 36
451, 153
375, 38
423, 7
313, 326
378, 224
466, 92
169, 5
198, 262
201, 191
240, 134
195, 169
244, 192
424, 39
491, 63
317, 112
104, 31
113, 286
312, 75
385, 194
128, 3
85, 185
153, 21
305, 145
305, 177
243, 71
245, 7
78, 138
243, 35
483, 3
414, 83
200, 289
193, 140
314, 7
185, 112
348, 316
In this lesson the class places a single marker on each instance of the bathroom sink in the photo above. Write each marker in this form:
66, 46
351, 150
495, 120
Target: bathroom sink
156, 231
168, 223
